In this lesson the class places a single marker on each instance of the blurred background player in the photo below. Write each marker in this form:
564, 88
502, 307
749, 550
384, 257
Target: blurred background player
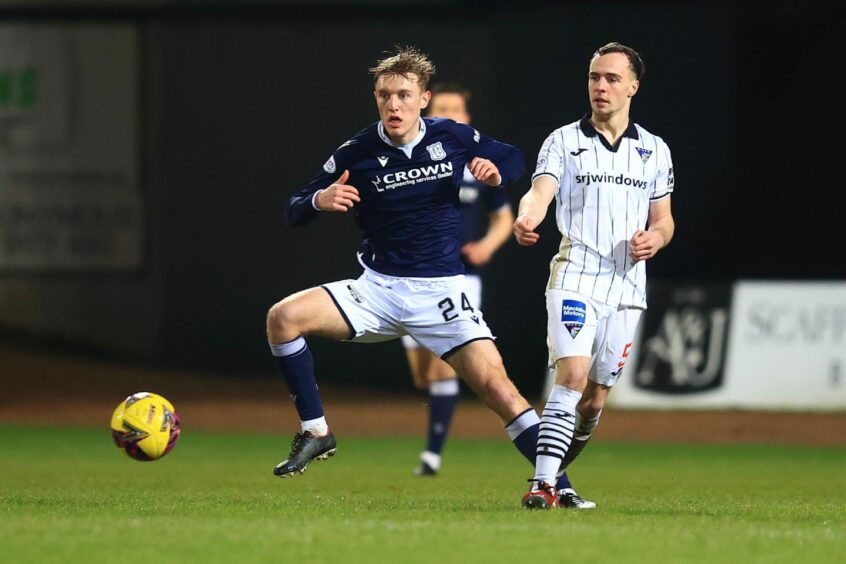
613, 180
451, 100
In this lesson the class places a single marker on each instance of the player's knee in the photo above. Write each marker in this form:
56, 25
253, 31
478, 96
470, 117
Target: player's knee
573, 376
498, 389
494, 369
282, 320
590, 406
499, 394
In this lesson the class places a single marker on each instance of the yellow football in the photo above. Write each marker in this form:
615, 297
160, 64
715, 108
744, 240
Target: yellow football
145, 426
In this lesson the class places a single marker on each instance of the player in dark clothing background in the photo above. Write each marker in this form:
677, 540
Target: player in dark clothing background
479, 241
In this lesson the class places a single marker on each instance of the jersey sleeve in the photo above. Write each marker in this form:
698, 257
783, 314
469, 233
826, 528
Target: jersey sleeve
300, 209
664, 179
495, 199
550, 157
507, 158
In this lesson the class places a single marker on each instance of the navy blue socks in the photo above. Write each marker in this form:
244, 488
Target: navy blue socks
443, 397
297, 367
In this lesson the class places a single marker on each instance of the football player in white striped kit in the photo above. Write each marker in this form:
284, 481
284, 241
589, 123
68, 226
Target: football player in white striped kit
611, 181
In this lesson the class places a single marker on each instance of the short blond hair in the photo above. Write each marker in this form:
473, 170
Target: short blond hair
405, 60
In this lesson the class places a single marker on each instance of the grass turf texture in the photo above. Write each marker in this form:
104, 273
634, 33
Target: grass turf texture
68, 495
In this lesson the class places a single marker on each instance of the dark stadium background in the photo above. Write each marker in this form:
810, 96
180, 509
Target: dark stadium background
241, 102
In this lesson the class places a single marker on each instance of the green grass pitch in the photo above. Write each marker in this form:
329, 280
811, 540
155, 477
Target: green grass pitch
68, 495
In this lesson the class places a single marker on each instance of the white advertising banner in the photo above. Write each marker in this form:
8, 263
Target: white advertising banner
786, 351
788, 345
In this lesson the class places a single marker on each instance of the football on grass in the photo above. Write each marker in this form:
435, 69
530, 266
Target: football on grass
145, 426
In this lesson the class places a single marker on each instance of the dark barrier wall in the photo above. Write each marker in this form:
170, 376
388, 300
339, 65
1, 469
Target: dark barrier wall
253, 110
243, 110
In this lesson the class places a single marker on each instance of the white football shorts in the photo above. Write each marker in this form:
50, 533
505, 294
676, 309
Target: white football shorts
473, 289
438, 313
580, 326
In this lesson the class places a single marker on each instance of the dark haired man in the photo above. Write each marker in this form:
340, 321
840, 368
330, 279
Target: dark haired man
611, 180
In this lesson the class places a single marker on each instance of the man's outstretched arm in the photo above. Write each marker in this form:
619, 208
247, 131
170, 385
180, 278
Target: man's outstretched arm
532, 211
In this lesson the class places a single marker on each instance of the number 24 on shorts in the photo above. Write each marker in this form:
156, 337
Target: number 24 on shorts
447, 306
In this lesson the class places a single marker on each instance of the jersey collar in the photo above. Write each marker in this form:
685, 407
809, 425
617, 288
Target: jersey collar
404, 148
590, 131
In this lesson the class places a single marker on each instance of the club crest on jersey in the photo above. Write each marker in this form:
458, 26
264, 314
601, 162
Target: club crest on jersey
476, 135
644, 154
436, 151
573, 316
329, 166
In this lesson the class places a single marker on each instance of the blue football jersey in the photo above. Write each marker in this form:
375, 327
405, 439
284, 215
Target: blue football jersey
477, 201
410, 207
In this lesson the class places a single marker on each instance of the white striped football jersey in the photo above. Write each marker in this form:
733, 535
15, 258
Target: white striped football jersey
603, 197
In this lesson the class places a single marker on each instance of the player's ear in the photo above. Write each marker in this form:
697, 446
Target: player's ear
633, 88
424, 99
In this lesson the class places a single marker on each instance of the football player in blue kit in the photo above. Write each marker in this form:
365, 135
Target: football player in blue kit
400, 177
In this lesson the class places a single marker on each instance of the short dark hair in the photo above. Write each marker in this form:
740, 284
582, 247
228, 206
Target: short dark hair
405, 60
635, 62
451, 88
